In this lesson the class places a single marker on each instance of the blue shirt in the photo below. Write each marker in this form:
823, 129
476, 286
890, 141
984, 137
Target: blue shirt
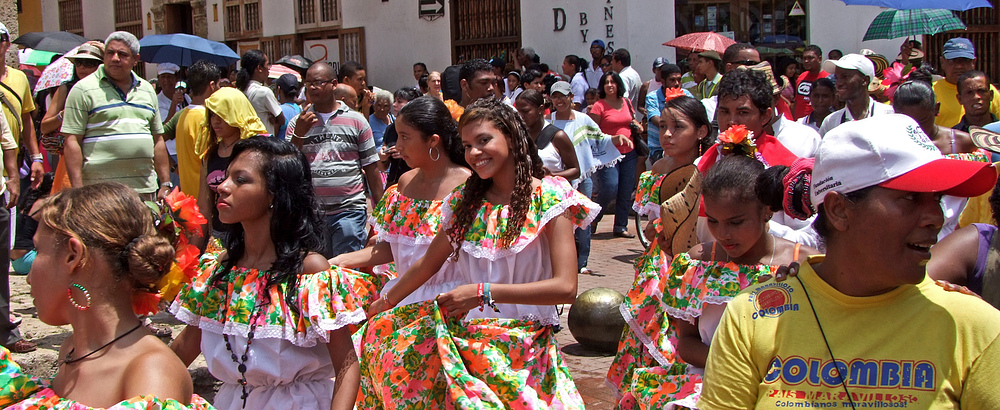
290, 110
379, 127
655, 101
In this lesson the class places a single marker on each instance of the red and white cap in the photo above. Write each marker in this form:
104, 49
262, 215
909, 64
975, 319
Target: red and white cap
892, 151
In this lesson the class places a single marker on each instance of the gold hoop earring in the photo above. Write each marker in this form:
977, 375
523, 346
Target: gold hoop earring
432, 151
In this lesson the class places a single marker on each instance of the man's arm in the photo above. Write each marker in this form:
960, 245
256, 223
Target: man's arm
74, 159
161, 164
31, 143
13, 183
374, 181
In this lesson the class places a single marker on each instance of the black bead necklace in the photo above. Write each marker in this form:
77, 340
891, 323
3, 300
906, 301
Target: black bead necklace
241, 362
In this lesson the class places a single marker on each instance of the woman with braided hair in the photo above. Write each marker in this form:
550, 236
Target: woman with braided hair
509, 232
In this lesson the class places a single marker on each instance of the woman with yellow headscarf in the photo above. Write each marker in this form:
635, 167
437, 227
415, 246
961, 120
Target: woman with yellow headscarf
229, 117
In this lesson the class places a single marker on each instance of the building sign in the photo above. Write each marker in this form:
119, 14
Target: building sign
322, 50
605, 30
431, 9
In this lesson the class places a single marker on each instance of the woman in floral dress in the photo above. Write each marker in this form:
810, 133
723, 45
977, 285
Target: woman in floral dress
488, 343
97, 252
660, 365
268, 312
409, 214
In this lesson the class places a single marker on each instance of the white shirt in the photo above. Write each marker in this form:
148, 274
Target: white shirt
164, 104
800, 139
632, 83
579, 87
593, 75
264, 103
844, 115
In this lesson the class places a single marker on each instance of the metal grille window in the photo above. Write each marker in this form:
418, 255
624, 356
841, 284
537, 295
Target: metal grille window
243, 19
71, 16
484, 29
317, 14
128, 17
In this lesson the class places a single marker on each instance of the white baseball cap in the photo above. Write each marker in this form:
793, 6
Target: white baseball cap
851, 62
892, 151
167, 68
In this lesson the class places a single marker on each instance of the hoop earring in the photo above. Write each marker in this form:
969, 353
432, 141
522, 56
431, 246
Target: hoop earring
69, 293
432, 151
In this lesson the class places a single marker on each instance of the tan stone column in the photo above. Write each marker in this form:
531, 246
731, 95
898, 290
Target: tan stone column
8, 15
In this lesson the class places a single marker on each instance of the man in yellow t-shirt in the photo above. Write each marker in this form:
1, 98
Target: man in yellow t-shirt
864, 326
202, 81
958, 57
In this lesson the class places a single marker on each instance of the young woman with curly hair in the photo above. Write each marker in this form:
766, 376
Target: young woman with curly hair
509, 231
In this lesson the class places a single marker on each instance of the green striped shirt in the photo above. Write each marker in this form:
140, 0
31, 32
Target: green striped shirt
117, 129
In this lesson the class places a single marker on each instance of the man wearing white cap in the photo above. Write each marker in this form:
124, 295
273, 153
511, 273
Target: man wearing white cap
171, 98
853, 72
864, 326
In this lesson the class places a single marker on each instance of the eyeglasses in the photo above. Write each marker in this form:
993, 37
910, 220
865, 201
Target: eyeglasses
744, 62
86, 63
605, 64
317, 83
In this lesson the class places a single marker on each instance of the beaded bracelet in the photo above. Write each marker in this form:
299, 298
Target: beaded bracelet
385, 299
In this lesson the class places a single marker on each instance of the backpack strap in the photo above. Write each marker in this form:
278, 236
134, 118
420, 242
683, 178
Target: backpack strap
545, 137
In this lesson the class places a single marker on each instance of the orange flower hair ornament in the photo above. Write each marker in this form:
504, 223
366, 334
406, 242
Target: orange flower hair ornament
455, 109
737, 140
177, 218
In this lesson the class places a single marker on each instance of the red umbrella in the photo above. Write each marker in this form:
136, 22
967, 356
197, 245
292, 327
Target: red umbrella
704, 41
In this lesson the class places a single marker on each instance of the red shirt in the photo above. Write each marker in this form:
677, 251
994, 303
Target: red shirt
802, 90
612, 121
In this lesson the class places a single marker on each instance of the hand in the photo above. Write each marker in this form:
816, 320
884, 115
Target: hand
951, 287
178, 97
305, 121
37, 174
336, 261
459, 301
622, 142
783, 272
14, 187
368, 100
377, 307
162, 193
388, 152
638, 125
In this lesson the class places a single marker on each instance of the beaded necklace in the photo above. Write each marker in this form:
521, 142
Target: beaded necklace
241, 362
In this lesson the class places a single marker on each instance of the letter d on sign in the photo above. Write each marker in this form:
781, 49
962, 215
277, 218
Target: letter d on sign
559, 19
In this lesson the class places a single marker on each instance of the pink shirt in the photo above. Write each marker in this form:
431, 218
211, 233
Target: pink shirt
612, 121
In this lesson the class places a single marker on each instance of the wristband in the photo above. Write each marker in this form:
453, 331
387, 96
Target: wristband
168, 185
482, 296
385, 299
488, 299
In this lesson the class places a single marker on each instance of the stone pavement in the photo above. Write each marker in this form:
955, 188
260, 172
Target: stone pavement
611, 261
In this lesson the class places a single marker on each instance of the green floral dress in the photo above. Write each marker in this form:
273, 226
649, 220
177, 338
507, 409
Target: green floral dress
288, 360
412, 357
647, 373
19, 391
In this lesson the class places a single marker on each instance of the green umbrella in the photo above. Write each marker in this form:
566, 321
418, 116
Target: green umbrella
892, 24
40, 58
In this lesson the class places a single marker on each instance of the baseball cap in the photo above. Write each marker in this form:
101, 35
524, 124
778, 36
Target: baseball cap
561, 87
660, 62
597, 42
167, 68
851, 62
287, 83
892, 151
958, 47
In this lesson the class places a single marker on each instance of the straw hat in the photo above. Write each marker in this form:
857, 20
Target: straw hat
679, 213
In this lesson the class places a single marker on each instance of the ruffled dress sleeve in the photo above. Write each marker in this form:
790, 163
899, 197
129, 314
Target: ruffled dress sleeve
327, 300
553, 198
15, 386
647, 195
690, 284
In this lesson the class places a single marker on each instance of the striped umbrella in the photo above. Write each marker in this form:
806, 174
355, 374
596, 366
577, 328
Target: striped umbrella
892, 24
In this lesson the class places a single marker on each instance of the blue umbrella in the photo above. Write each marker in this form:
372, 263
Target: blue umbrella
957, 5
184, 50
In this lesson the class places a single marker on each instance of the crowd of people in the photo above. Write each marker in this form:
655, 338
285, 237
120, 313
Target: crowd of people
354, 247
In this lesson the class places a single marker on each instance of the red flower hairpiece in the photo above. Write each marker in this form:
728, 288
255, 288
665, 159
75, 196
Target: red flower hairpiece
671, 93
177, 219
737, 139
895, 75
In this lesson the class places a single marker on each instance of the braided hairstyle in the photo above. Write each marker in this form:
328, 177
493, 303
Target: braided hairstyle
527, 165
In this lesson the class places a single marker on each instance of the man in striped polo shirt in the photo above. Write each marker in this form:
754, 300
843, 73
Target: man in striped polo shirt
112, 125
340, 148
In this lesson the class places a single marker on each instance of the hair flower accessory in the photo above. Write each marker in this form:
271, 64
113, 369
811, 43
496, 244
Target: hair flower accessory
177, 218
737, 140
895, 75
671, 93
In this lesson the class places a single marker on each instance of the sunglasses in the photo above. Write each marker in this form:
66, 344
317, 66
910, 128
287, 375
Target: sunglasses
87, 63
745, 62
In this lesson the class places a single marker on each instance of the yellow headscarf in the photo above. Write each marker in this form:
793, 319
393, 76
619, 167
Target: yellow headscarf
234, 108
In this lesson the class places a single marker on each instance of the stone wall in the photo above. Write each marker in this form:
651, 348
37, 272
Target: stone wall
8, 15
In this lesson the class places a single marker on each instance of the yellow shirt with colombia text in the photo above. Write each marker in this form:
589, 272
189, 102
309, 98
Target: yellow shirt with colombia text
915, 347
